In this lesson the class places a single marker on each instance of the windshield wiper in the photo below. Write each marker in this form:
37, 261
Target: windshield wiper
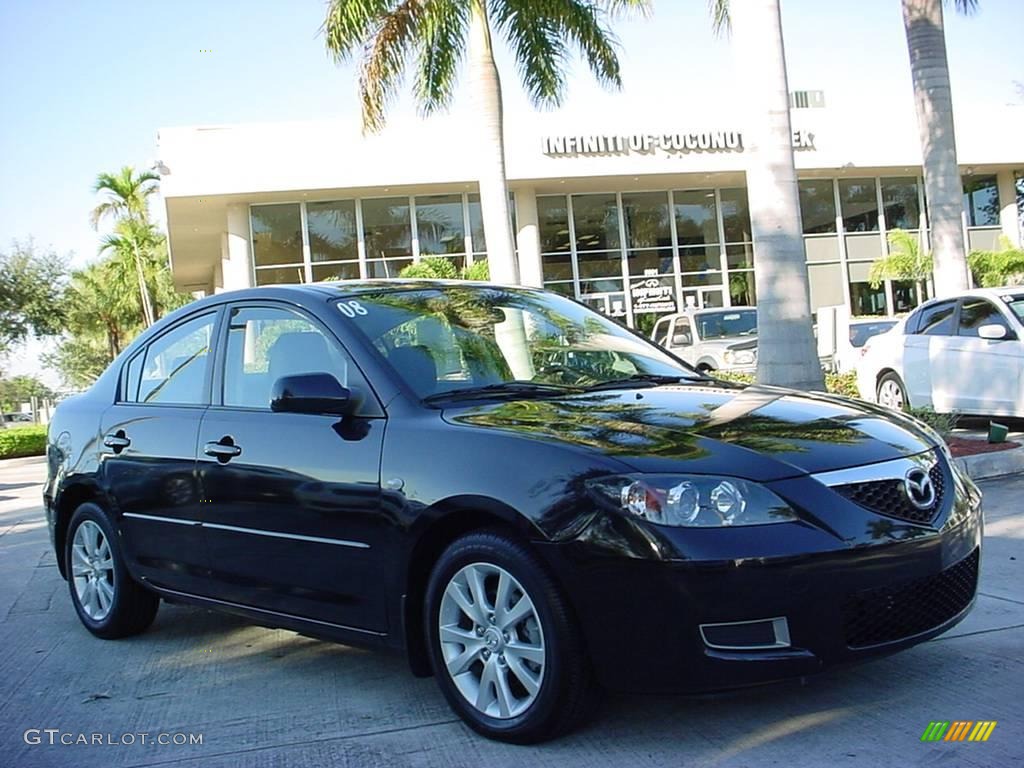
648, 379
521, 388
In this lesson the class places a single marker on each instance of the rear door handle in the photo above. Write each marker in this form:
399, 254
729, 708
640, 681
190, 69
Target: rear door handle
223, 450
117, 441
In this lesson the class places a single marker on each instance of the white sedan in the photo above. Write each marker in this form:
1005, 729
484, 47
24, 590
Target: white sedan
964, 354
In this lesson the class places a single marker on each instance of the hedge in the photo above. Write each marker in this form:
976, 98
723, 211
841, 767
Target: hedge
22, 441
837, 383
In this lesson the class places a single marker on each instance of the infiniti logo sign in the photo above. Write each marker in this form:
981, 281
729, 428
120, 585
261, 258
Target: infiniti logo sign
920, 488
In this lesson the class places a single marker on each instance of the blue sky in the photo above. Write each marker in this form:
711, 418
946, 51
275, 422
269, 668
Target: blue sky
84, 86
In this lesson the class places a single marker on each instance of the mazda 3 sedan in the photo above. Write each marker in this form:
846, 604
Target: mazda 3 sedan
530, 501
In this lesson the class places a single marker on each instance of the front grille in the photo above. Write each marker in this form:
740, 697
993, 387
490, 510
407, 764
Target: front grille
889, 497
887, 614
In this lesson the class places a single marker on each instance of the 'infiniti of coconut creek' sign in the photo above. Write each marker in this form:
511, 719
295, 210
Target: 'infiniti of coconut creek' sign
649, 143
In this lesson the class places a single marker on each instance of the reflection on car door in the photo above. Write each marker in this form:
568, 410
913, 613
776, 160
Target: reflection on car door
293, 522
149, 445
923, 348
982, 375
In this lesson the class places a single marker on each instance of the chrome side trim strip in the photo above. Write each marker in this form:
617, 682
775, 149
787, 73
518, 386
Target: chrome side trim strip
158, 519
253, 531
894, 469
293, 536
245, 607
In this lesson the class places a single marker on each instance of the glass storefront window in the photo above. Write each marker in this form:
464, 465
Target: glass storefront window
981, 201
276, 234
699, 259
647, 220
740, 256
279, 275
860, 205
817, 206
648, 262
348, 270
735, 215
439, 225
476, 223
557, 266
600, 264
553, 220
333, 235
696, 220
742, 292
900, 203
905, 294
596, 221
865, 300
387, 227
386, 267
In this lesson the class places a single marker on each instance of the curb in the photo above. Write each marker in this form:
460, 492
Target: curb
20, 460
985, 465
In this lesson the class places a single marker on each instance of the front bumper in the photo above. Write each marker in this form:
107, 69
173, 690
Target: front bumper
843, 599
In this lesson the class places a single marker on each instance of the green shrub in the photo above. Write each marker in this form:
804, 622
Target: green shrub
431, 268
837, 383
22, 441
943, 423
994, 268
478, 270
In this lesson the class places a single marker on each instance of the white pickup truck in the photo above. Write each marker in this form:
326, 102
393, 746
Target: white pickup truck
711, 339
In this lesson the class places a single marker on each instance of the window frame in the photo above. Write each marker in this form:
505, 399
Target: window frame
369, 408
1011, 332
928, 307
217, 312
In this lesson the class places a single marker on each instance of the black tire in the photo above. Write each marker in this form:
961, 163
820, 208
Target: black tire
889, 381
133, 607
704, 368
568, 693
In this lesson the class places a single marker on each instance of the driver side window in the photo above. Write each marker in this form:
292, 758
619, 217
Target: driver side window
264, 344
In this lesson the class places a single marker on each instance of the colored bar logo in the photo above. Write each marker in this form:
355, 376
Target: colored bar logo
958, 730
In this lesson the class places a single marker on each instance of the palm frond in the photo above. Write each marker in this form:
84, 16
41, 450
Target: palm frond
537, 43
443, 44
385, 54
582, 22
720, 22
966, 7
629, 7
348, 23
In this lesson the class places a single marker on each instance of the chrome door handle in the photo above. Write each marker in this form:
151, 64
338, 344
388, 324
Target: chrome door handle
223, 450
117, 441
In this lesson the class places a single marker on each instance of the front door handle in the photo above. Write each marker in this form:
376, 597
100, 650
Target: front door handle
223, 450
117, 441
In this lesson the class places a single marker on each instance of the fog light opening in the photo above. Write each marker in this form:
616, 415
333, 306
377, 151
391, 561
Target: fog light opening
758, 634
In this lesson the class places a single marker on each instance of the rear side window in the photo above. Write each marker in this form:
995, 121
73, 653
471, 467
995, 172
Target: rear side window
174, 371
130, 379
937, 320
975, 313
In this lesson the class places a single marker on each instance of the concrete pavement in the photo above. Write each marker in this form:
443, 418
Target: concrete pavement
264, 697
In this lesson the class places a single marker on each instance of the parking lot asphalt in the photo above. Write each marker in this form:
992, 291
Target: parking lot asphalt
262, 697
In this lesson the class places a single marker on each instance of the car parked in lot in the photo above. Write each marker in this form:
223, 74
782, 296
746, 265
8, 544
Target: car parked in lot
964, 354
852, 345
528, 499
711, 339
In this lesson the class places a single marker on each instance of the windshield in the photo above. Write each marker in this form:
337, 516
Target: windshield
1016, 305
861, 332
443, 339
720, 325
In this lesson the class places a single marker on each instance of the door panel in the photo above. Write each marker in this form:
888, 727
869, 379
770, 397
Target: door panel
293, 522
983, 375
149, 451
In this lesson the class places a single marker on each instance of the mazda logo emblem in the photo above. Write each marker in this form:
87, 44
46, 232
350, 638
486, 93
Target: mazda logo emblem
920, 488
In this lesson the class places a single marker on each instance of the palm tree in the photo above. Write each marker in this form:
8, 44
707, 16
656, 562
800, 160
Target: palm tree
787, 353
126, 199
929, 70
906, 261
130, 244
439, 34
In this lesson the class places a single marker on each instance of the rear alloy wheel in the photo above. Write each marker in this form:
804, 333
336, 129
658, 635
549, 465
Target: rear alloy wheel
891, 392
109, 602
504, 647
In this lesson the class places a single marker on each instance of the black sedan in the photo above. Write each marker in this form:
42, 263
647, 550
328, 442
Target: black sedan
529, 500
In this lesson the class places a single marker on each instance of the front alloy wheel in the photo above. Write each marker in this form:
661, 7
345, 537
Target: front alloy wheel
491, 640
891, 392
504, 646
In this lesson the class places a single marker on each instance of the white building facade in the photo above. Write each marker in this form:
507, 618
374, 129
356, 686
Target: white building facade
636, 215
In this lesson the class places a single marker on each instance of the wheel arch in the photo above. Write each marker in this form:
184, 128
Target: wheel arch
439, 526
70, 498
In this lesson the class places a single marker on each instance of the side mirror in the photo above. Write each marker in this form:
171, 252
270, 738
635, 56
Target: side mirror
311, 393
992, 331
682, 339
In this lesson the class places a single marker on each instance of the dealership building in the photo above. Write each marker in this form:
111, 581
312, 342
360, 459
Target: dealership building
633, 213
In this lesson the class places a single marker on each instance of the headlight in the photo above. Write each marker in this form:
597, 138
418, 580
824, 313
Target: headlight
739, 356
692, 501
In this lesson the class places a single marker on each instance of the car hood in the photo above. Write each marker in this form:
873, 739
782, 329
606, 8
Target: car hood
759, 433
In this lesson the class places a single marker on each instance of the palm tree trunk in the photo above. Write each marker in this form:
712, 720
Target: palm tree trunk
147, 306
926, 44
787, 353
486, 89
